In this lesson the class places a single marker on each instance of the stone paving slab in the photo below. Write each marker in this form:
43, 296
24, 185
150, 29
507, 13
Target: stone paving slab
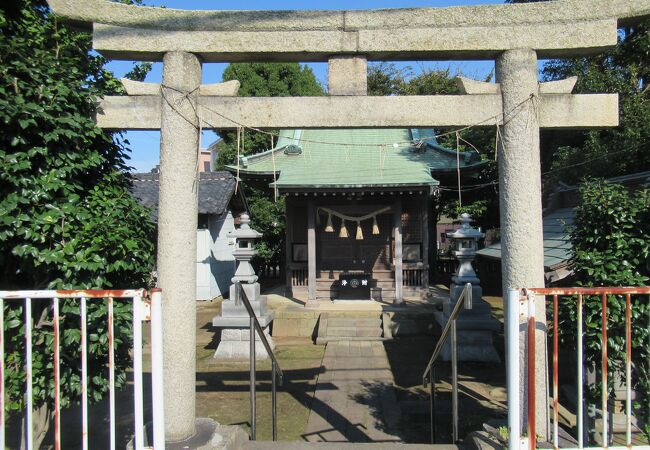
354, 399
261, 445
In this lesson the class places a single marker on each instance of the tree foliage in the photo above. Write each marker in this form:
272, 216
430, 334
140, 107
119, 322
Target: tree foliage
617, 151
625, 70
265, 80
67, 217
611, 247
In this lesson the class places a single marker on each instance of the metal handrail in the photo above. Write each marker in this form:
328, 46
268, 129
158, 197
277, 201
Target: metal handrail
276, 372
464, 299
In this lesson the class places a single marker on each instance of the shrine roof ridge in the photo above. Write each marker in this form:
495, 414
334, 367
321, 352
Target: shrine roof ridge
355, 158
560, 11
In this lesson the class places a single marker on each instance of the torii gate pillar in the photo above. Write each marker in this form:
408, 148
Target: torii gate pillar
520, 198
177, 222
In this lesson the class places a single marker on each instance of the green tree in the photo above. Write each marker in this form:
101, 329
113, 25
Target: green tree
624, 70
616, 151
265, 80
611, 247
67, 217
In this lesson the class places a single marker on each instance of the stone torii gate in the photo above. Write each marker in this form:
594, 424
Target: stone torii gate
514, 35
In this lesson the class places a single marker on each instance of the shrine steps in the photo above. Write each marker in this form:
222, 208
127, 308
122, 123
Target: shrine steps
353, 326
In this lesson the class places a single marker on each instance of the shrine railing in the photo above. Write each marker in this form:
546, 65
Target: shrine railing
276, 372
412, 277
145, 308
520, 304
299, 276
269, 271
445, 268
429, 375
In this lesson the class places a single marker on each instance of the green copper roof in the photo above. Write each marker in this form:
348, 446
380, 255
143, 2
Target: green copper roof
353, 158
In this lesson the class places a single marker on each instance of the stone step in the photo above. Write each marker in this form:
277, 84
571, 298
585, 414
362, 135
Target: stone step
353, 322
269, 445
352, 327
354, 331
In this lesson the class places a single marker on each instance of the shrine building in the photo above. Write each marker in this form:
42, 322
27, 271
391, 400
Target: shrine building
358, 208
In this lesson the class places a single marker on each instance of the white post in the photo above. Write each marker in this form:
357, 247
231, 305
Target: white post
157, 375
513, 380
138, 392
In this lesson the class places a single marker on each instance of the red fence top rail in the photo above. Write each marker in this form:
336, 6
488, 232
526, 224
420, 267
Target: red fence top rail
87, 293
590, 290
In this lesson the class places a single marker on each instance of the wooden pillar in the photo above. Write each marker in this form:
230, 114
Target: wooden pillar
397, 227
425, 241
288, 242
311, 251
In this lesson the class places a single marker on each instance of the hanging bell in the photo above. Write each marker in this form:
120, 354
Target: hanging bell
344, 231
359, 231
375, 227
329, 228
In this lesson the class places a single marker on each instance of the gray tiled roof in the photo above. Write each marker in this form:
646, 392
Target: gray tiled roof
215, 191
557, 245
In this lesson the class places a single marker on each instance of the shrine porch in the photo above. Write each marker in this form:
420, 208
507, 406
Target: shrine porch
363, 245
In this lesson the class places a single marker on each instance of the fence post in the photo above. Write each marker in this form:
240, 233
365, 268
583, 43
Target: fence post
157, 393
512, 368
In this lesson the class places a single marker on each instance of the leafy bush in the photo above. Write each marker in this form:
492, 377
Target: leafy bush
67, 217
611, 247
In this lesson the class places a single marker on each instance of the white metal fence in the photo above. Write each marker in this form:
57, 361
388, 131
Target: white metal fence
520, 308
146, 307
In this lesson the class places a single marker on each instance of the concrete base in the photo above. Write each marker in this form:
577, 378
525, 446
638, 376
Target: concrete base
474, 327
474, 338
235, 344
209, 435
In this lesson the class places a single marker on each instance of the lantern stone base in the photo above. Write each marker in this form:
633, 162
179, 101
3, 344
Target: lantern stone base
474, 328
235, 321
235, 344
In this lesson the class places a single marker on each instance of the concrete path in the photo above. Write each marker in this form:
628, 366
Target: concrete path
355, 399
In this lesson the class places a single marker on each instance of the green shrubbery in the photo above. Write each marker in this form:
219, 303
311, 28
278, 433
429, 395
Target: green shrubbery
611, 247
67, 217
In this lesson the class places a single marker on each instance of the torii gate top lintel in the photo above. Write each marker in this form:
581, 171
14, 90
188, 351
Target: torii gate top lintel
554, 29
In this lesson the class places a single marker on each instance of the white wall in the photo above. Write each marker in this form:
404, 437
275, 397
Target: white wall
215, 262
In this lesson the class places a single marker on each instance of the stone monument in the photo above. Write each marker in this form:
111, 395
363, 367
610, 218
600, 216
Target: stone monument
476, 325
234, 319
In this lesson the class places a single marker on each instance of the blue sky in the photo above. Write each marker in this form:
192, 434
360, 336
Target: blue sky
145, 144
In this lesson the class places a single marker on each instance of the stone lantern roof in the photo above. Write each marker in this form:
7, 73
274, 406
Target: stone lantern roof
466, 231
245, 231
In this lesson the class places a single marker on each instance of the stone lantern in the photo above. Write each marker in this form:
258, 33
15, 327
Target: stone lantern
475, 326
234, 318
244, 251
465, 241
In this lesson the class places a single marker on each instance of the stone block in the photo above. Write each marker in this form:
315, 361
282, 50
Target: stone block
235, 344
347, 75
369, 332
